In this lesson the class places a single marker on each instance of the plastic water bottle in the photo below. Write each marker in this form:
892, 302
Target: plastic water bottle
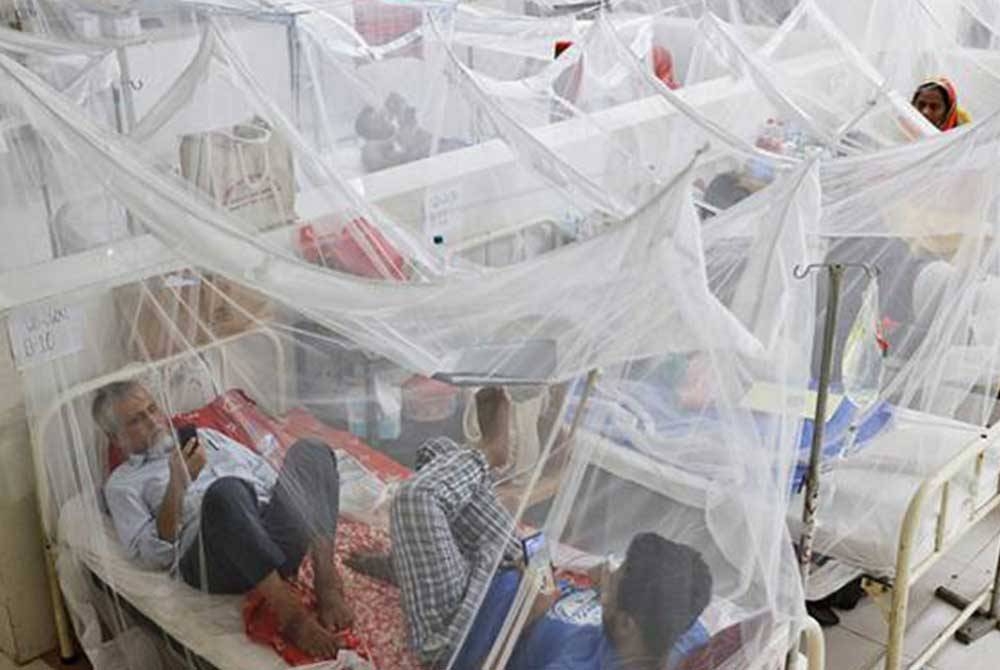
268, 446
770, 138
356, 404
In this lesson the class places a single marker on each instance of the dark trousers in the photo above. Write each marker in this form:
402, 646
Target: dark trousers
242, 541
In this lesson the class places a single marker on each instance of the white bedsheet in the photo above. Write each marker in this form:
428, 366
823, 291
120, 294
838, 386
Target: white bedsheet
864, 498
209, 625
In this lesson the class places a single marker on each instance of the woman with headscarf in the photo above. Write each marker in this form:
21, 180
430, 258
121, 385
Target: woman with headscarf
937, 100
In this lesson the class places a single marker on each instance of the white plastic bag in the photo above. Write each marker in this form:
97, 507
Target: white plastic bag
862, 366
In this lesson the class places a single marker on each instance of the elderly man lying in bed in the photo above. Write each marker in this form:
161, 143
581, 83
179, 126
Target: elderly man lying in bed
448, 528
220, 516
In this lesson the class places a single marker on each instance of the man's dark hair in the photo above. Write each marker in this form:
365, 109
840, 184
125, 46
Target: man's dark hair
725, 190
664, 587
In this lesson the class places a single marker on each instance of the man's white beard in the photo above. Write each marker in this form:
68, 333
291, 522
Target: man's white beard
162, 444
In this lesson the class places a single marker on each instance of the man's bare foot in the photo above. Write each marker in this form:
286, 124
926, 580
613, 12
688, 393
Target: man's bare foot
376, 566
333, 609
307, 634
297, 624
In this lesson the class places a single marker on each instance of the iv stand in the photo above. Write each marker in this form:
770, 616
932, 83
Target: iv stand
835, 273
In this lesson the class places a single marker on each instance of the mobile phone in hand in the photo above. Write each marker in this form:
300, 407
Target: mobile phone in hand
536, 560
185, 434
531, 545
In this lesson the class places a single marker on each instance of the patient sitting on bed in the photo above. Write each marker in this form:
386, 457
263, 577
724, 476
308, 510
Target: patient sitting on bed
447, 527
220, 516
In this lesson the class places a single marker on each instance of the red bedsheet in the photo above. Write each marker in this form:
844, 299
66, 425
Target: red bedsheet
380, 629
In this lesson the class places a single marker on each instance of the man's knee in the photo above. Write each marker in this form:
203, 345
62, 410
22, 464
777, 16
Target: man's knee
414, 494
227, 497
312, 454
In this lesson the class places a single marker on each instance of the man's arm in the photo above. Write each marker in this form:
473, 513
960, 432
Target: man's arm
168, 519
185, 465
137, 528
544, 601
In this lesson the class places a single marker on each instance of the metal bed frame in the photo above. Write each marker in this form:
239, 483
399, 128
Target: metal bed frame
600, 452
48, 505
938, 483
906, 575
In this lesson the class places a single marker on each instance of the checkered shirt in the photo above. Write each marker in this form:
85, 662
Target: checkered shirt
447, 528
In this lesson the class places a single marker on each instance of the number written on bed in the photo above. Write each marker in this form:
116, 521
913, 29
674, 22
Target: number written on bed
43, 333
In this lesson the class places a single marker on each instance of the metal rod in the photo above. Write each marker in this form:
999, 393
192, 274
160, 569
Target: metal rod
995, 594
836, 273
294, 68
126, 88
503, 646
126, 117
944, 636
940, 530
584, 398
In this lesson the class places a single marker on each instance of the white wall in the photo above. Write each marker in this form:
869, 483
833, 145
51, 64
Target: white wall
26, 624
26, 619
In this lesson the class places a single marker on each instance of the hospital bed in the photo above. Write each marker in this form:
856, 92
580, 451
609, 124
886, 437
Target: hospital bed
889, 508
934, 480
207, 630
602, 453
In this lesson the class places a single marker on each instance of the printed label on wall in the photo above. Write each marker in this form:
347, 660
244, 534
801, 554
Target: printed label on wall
44, 333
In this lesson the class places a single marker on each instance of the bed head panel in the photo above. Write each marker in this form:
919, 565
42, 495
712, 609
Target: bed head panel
70, 452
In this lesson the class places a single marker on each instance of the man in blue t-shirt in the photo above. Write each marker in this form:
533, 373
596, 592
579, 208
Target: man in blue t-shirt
635, 617
447, 529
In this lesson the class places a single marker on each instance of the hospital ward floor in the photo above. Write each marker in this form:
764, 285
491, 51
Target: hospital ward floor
48, 662
859, 639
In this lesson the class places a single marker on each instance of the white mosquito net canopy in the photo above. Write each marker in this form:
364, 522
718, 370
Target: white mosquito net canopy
912, 43
913, 357
616, 83
304, 399
978, 23
828, 96
87, 75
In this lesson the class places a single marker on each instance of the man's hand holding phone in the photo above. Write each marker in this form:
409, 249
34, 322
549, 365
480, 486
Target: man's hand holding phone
187, 462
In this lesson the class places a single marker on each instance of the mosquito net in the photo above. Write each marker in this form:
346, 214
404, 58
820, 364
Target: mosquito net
88, 75
912, 357
605, 87
829, 98
922, 46
285, 408
978, 24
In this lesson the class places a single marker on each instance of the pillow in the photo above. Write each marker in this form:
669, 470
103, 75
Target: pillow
236, 416
233, 414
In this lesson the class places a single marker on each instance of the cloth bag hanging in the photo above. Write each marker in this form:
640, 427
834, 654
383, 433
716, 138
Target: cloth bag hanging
246, 168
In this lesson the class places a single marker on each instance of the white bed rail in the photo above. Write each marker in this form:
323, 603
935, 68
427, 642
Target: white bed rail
47, 506
815, 645
940, 483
